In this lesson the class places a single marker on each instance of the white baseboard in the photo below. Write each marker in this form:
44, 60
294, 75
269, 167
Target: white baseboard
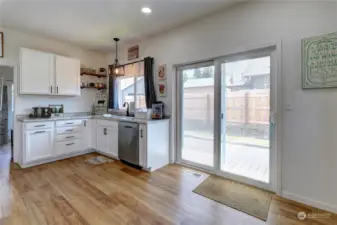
40, 162
310, 202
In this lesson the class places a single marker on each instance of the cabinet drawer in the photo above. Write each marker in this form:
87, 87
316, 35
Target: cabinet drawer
107, 123
67, 147
39, 125
68, 137
68, 130
67, 123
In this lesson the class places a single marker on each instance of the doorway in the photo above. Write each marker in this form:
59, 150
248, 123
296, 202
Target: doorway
226, 118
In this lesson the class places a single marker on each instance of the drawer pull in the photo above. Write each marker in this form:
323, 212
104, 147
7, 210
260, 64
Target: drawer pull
39, 132
70, 130
70, 136
40, 126
70, 144
69, 123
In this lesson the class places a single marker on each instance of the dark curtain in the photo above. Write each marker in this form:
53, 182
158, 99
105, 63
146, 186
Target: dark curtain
150, 92
112, 95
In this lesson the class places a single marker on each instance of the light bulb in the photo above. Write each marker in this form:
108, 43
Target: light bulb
116, 71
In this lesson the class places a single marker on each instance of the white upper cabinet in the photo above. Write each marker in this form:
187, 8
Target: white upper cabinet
48, 74
37, 72
67, 76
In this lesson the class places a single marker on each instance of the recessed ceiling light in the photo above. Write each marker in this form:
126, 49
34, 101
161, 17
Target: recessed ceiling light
146, 10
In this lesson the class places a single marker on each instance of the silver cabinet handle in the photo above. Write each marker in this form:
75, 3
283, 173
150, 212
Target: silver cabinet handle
39, 132
70, 144
141, 133
85, 123
40, 126
70, 136
105, 131
57, 89
51, 89
69, 130
70, 123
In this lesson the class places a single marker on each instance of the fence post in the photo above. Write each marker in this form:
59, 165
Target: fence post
208, 109
246, 113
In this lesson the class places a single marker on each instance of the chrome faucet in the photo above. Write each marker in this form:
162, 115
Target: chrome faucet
127, 108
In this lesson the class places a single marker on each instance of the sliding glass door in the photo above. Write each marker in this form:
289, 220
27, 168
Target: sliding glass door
245, 146
224, 114
197, 114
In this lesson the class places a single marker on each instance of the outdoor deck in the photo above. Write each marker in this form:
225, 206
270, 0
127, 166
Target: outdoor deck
243, 156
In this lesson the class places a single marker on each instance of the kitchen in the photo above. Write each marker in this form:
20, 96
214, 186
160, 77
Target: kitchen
166, 112
49, 133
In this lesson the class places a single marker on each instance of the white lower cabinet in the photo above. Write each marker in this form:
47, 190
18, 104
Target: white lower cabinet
112, 140
49, 141
154, 145
142, 145
107, 138
86, 134
102, 144
38, 145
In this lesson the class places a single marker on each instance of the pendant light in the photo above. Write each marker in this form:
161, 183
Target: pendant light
116, 63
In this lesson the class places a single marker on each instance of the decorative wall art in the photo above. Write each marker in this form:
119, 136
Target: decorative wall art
162, 72
319, 61
1, 44
133, 52
162, 88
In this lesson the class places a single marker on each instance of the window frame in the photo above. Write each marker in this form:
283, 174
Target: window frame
135, 77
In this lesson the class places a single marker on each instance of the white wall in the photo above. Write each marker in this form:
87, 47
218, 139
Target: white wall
23, 103
309, 152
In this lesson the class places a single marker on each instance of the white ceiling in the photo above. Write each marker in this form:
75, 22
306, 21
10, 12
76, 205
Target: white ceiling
93, 23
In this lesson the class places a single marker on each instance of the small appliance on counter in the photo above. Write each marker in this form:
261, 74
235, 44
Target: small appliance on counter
40, 112
157, 110
56, 110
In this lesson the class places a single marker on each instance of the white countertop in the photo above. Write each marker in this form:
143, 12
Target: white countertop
26, 119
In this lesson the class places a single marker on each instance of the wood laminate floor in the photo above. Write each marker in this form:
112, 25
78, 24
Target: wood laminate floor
71, 192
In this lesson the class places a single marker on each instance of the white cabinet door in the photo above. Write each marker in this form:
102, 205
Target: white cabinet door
36, 72
101, 138
86, 134
38, 144
143, 145
112, 140
67, 76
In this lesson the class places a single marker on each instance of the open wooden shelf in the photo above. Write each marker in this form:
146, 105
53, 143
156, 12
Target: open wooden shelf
93, 74
93, 88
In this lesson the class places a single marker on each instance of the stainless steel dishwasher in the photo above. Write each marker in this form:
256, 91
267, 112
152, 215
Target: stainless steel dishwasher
128, 142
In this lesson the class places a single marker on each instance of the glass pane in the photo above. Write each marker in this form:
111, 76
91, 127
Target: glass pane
197, 115
126, 91
140, 98
245, 127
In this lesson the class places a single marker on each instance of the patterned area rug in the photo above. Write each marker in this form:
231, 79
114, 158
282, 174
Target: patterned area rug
98, 160
248, 199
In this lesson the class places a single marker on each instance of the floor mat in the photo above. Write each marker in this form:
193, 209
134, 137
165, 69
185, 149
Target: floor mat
97, 160
248, 199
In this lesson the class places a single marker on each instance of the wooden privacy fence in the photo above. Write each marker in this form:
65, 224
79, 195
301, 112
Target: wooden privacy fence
242, 107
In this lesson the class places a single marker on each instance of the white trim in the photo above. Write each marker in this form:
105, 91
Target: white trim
53, 159
310, 202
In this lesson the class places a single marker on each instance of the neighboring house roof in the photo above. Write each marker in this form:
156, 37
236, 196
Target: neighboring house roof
201, 82
257, 67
